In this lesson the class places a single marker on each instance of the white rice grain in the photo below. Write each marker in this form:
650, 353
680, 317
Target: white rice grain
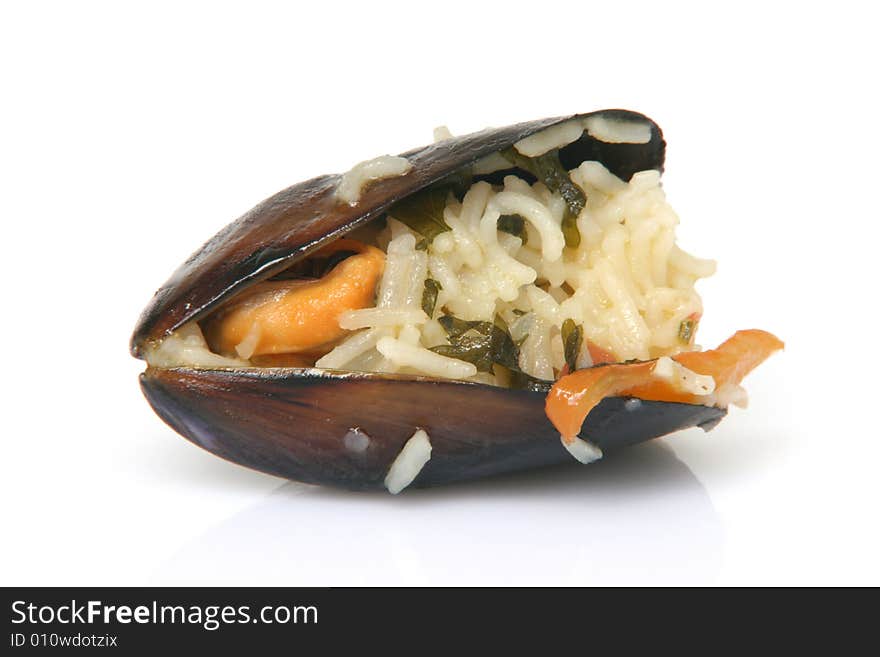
442, 133
376, 317
351, 348
582, 450
186, 347
546, 140
409, 462
406, 355
618, 131
552, 239
385, 166
593, 175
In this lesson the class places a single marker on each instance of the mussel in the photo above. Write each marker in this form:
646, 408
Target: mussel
346, 428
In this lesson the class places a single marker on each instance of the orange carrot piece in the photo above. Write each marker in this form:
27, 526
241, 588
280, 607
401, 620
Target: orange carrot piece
729, 363
573, 396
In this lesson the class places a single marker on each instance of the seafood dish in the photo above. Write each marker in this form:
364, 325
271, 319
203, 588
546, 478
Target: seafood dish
504, 300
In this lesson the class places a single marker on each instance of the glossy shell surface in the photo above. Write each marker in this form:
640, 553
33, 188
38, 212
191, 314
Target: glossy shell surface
297, 423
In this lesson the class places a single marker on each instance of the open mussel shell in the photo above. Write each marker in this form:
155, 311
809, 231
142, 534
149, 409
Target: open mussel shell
346, 429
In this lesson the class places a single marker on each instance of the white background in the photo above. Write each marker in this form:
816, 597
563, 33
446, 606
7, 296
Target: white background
132, 132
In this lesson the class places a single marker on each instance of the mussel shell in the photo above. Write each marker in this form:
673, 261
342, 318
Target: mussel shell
293, 423
300, 219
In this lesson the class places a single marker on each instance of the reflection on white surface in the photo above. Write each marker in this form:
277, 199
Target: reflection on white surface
639, 517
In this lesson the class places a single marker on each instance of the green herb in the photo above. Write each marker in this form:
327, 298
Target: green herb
423, 212
505, 351
570, 230
429, 296
456, 327
572, 340
514, 225
519, 380
549, 170
480, 343
475, 350
686, 330
488, 346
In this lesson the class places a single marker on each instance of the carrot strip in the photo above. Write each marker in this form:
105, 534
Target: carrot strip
573, 396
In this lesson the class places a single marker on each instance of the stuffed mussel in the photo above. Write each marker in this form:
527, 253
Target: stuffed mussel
447, 314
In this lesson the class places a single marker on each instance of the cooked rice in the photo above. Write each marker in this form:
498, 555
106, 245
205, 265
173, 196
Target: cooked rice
385, 166
729, 394
554, 137
186, 347
618, 131
627, 284
409, 462
583, 450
